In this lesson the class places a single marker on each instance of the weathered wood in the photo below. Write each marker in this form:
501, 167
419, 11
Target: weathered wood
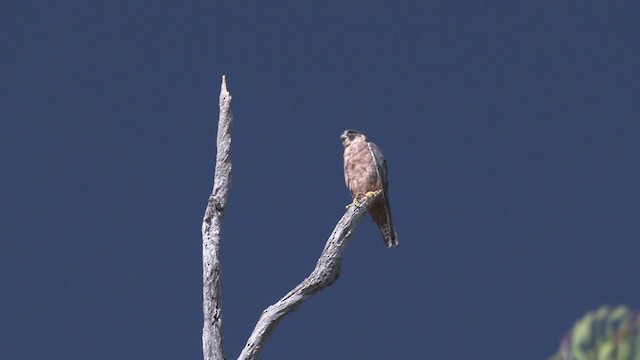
212, 340
326, 272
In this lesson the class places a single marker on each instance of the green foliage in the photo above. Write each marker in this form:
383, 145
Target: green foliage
605, 334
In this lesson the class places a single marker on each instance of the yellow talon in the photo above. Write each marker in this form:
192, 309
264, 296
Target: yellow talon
371, 194
354, 202
367, 196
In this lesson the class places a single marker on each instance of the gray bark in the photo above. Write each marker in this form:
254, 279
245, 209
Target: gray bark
326, 272
212, 341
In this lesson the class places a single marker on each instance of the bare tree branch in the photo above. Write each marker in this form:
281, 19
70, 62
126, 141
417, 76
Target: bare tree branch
212, 344
326, 273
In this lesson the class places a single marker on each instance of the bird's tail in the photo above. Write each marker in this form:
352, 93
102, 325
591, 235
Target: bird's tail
389, 235
381, 214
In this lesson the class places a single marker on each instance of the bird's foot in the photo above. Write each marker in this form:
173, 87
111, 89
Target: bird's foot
371, 194
358, 200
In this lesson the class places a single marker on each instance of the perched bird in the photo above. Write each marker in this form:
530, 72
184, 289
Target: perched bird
365, 172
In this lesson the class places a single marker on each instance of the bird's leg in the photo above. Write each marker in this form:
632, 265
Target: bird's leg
356, 200
366, 196
371, 194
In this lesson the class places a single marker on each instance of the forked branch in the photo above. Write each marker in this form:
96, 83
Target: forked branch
326, 272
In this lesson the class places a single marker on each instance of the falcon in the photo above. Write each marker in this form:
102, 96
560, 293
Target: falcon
365, 172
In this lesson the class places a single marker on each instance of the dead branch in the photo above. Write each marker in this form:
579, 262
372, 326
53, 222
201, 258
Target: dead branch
212, 341
326, 272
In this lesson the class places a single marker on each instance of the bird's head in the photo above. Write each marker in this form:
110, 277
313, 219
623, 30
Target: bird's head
349, 137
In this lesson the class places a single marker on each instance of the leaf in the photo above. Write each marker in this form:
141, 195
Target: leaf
605, 334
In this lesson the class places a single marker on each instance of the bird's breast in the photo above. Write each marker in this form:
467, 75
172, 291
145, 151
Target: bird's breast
360, 171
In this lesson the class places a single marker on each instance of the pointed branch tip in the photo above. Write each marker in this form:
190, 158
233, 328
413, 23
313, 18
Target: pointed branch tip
223, 88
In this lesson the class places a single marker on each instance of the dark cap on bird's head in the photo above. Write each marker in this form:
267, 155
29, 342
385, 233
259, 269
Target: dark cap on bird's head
349, 136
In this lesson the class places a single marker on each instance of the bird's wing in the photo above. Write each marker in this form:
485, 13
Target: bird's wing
381, 165
383, 218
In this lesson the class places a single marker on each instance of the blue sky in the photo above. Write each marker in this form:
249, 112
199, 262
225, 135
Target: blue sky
511, 130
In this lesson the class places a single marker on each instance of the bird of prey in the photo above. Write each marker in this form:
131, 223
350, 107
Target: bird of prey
365, 172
